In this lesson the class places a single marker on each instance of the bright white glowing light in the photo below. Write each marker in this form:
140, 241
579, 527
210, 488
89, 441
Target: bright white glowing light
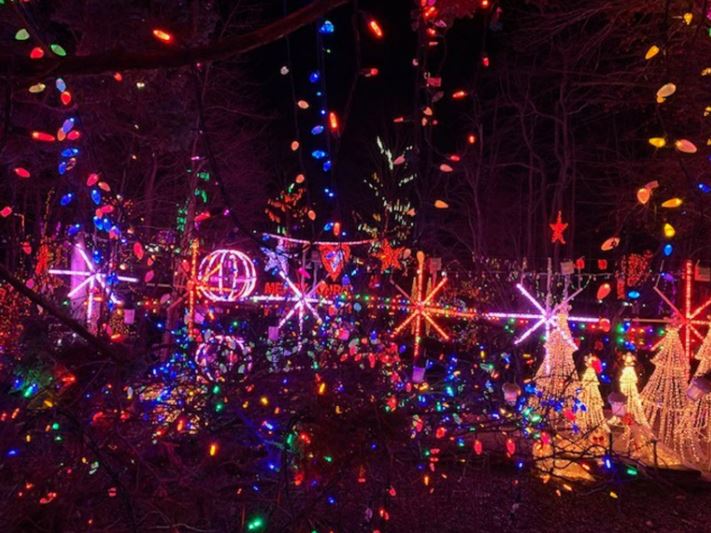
92, 279
546, 316
304, 301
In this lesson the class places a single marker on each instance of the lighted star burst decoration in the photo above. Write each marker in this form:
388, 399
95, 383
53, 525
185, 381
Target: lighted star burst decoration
546, 316
93, 280
423, 308
305, 301
687, 318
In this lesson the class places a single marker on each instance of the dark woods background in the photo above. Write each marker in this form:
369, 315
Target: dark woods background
561, 115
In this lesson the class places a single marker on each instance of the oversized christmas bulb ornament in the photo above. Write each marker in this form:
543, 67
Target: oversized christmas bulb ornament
672, 203
643, 195
651, 52
375, 29
685, 146
162, 35
603, 291
665, 91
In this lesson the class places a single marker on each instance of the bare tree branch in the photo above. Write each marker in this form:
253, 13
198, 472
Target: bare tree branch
121, 60
72, 324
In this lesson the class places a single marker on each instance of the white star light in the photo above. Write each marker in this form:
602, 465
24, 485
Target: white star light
304, 302
547, 316
92, 278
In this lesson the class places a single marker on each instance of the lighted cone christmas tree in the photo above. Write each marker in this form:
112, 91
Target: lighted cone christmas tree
628, 387
696, 423
559, 387
557, 379
637, 440
592, 420
664, 396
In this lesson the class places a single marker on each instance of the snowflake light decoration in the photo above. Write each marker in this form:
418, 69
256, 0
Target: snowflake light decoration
688, 317
547, 315
93, 280
303, 299
423, 308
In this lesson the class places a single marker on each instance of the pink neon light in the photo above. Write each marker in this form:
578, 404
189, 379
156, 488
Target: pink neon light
92, 278
546, 317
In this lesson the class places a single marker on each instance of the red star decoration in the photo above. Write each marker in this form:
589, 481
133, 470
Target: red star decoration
558, 229
389, 256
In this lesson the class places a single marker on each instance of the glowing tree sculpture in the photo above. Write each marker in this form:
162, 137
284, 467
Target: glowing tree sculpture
664, 396
559, 387
628, 387
557, 378
592, 419
637, 438
696, 423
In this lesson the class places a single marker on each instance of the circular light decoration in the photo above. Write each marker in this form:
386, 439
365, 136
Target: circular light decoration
226, 276
221, 354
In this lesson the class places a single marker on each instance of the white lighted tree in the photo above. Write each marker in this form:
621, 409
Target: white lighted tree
557, 379
628, 387
664, 395
592, 420
696, 426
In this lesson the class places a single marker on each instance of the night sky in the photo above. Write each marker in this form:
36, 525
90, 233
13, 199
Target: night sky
375, 101
489, 311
